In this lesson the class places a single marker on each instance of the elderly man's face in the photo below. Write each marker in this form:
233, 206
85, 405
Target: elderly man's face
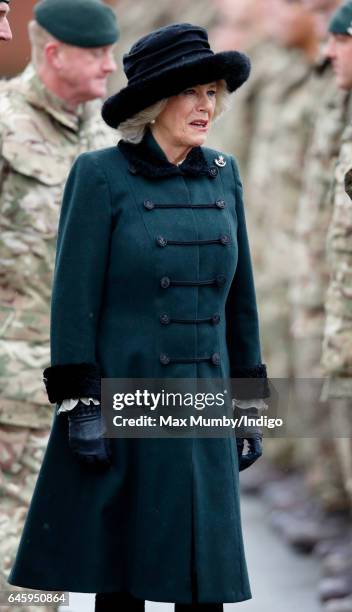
5, 30
186, 118
85, 71
339, 51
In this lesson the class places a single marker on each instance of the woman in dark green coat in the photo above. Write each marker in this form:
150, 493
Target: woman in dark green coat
153, 279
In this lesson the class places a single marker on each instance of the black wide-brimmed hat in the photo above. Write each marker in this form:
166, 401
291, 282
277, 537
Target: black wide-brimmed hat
167, 61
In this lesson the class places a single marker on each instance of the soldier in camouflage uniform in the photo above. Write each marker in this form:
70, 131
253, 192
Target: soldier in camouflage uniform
274, 173
284, 118
310, 274
337, 345
48, 116
5, 30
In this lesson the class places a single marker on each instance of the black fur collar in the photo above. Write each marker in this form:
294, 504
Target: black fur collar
148, 159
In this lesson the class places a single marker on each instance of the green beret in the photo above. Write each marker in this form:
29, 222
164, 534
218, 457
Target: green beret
341, 22
82, 23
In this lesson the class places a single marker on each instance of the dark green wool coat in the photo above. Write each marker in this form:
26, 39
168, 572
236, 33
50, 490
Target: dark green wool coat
167, 507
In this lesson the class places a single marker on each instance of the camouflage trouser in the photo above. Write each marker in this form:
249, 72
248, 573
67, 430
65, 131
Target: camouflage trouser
277, 352
341, 425
317, 454
21, 454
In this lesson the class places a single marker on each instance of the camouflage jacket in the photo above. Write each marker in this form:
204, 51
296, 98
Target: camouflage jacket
337, 345
39, 140
310, 276
284, 120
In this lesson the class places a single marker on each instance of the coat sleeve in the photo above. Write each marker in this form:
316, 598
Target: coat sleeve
242, 326
81, 262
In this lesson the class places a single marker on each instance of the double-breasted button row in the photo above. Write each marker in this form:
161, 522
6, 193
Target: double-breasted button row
165, 319
165, 359
165, 282
219, 280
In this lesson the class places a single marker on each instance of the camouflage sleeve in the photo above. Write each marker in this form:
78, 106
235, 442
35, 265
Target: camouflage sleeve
337, 345
81, 263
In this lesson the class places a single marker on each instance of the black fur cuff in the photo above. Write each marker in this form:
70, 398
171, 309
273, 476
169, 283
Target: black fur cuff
250, 383
71, 381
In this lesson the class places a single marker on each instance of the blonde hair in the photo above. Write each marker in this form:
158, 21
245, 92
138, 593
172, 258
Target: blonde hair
38, 38
134, 128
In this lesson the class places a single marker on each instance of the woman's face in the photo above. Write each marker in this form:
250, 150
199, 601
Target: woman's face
186, 118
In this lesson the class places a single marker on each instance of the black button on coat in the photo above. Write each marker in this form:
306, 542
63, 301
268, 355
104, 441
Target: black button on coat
166, 506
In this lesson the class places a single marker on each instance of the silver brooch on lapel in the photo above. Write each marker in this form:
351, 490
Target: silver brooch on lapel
220, 161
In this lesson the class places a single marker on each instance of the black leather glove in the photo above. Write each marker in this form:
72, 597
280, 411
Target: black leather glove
255, 450
254, 437
85, 427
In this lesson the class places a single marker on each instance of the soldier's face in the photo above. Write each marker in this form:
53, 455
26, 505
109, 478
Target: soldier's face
85, 71
186, 118
5, 30
339, 51
291, 22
